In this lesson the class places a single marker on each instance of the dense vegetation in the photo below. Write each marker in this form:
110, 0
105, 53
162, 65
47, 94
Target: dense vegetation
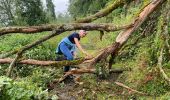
142, 52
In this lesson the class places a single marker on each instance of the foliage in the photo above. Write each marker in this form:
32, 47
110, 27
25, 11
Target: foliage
82, 7
157, 86
7, 12
22, 12
12, 90
165, 96
30, 12
101, 70
50, 9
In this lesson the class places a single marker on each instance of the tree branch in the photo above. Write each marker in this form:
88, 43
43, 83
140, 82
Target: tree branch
65, 27
44, 63
87, 70
130, 89
12, 64
103, 12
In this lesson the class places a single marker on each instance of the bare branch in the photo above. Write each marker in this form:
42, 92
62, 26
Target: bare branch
65, 27
12, 64
130, 89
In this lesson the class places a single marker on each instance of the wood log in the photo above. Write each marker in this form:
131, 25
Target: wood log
64, 27
44, 63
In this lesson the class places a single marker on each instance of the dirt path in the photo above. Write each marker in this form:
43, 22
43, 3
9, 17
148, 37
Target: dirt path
92, 88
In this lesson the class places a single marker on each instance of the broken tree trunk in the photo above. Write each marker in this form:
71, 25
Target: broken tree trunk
65, 27
124, 35
104, 54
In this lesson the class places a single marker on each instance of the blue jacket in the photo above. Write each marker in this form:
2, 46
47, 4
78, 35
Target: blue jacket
68, 43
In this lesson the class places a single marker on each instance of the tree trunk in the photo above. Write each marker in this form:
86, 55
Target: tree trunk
44, 63
64, 27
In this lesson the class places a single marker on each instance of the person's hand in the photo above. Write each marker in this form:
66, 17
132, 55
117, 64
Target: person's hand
85, 53
88, 56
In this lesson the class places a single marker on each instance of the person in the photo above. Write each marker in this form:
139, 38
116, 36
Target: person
67, 46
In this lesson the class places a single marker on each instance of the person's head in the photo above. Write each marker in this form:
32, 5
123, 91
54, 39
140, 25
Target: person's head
82, 33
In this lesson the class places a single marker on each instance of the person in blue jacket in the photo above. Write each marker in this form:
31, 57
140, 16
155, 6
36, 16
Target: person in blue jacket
67, 46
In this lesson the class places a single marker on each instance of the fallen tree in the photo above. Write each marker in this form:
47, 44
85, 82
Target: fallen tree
20, 51
44, 63
114, 48
66, 27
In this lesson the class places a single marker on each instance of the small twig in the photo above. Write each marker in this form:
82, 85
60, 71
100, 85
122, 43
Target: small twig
130, 89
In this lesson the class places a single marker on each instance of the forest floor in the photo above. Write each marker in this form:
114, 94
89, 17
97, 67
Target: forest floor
92, 88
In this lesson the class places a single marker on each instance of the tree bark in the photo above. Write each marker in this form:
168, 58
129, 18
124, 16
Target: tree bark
105, 53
